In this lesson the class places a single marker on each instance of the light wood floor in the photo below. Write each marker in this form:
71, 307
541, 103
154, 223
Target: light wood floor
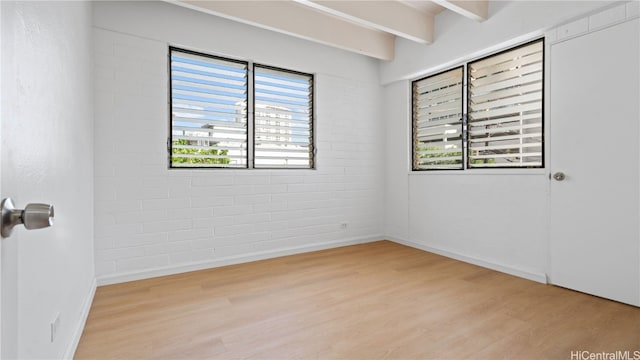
371, 301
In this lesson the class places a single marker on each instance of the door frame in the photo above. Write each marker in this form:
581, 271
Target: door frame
1, 84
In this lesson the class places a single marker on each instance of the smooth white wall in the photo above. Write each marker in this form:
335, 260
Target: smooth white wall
152, 221
47, 156
396, 112
496, 218
458, 38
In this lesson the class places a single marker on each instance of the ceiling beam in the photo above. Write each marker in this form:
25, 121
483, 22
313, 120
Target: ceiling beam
389, 16
300, 21
477, 10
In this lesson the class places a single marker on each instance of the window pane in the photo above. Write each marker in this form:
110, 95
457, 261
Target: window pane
505, 109
208, 111
283, 127
437, 121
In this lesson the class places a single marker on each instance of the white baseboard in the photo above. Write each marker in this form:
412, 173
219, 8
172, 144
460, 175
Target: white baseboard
77, 333
231, 260
526, 274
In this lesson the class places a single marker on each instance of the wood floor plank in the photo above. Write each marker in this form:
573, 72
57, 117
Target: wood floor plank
373, 301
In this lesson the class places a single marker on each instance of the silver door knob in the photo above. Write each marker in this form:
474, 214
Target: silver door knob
34, 216
559, 176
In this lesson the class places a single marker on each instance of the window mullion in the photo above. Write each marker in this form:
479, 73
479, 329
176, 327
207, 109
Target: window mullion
465, 118
251, 94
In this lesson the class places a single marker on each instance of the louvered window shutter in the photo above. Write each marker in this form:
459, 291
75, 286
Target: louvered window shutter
437, 121
208, 111
283, 118
505, 95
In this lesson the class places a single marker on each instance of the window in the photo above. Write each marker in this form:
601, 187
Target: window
217, 122
503, 127
283, 112
208, 111
437, 121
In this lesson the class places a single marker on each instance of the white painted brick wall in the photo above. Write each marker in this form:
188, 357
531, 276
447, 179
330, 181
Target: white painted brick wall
148, 217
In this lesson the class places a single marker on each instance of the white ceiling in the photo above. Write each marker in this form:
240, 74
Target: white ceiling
367, 27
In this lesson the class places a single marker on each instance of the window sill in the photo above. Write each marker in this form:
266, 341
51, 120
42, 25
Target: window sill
483, 172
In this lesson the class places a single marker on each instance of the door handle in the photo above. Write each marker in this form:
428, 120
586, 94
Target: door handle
559, 176
34, 216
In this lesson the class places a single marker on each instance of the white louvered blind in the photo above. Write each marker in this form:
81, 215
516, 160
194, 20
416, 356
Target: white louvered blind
208, 111
437, 121
283, 110
505, 126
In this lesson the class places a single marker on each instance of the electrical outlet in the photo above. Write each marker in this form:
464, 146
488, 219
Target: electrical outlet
344, 225
54, 326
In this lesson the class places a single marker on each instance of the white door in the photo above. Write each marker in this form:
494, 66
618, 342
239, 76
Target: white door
594, 135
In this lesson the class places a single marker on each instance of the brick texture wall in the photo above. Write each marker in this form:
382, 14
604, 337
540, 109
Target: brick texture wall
150, 220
